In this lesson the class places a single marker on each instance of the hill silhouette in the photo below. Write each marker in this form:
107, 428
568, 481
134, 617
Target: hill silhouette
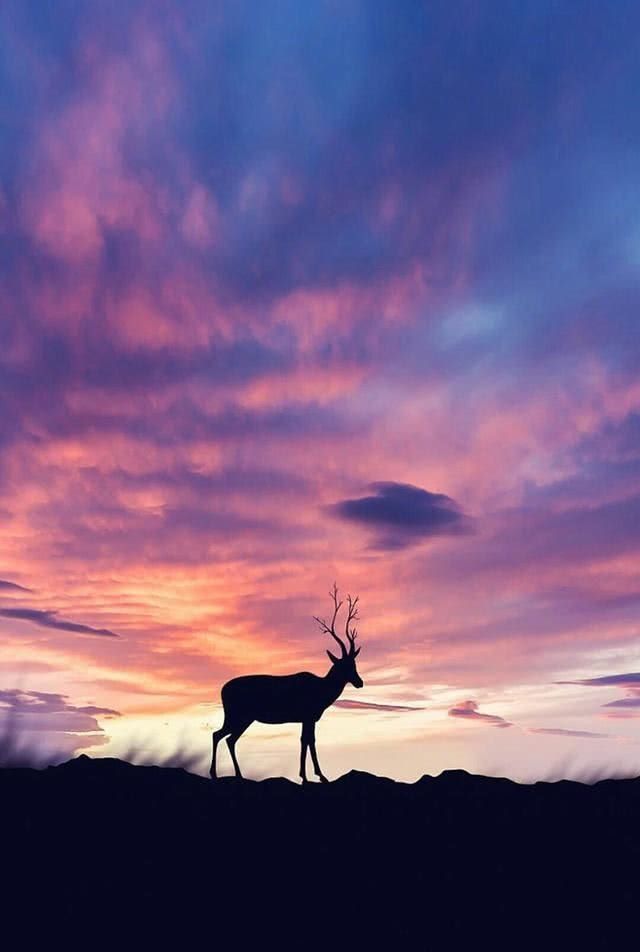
98, 846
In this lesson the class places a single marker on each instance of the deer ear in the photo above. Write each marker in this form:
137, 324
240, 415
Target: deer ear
332, 657
356, 652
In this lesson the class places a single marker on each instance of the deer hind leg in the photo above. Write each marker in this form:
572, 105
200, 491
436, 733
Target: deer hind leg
314, 757
304, 744
236, 733
217, 737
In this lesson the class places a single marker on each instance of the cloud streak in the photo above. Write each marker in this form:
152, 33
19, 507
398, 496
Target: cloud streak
49, 619
566, 732
348, 705
7, 586
468, 710
630, 680
628, 706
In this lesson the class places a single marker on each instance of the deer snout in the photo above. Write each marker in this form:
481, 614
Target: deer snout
358, 682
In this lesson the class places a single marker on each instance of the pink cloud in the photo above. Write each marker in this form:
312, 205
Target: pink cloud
350, 705
469, 711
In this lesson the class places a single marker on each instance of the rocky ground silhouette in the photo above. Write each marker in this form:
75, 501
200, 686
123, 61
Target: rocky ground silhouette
110, 848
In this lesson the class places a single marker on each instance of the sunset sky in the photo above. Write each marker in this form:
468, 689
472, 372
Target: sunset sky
294, 292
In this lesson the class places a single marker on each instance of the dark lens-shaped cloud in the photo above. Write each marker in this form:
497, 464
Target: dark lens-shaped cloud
403, 514
49, 619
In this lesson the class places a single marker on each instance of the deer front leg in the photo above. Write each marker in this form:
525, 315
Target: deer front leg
304, 743
314, 757
237, 732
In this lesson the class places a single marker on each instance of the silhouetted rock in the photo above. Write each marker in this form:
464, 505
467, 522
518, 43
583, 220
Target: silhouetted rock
449, 860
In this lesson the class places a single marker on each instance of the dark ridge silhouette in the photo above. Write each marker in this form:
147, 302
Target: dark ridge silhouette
292, 698
101, 848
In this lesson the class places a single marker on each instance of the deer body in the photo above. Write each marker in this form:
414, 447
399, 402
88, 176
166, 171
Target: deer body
281, 699
294, 698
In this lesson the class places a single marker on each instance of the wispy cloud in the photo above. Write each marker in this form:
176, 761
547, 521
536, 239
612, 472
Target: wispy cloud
13, 587
628, 706
350, 705
469, 711
50, 619
630, 680
565, 732
627, 702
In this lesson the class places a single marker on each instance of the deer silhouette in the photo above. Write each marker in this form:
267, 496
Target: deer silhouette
293, 698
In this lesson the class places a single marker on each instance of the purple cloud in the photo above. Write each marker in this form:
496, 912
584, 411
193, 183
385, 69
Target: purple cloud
13, 587
49, 619
39, 702
38, 727
630, 680
622, 707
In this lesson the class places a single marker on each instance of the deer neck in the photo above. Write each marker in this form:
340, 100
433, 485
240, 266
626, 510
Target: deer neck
334, 684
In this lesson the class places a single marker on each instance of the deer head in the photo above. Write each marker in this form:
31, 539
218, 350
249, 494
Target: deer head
346, 663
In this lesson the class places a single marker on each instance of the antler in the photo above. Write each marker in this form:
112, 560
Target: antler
350, 633
331, 630
352, 614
